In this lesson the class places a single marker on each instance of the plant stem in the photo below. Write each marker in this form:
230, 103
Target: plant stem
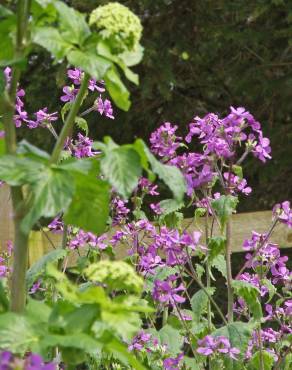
197, 280
208, 279
229, 272
70, 120
20, 262
20, 255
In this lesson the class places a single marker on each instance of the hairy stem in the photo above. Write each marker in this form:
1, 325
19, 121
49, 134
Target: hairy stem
70, 120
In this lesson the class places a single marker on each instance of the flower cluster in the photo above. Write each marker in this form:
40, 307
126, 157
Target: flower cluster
166, 293
211, 346
221, 140
75, 75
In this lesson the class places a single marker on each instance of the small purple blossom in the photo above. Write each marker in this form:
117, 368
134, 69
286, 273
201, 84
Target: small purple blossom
104, 107
164, 141
213, 345
165, 291
171, 363
70, 94
140, 341
284, 213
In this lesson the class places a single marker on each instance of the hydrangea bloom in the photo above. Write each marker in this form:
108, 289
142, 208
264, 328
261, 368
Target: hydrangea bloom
116, 22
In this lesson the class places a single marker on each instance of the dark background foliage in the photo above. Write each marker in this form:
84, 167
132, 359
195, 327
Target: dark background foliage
200, 56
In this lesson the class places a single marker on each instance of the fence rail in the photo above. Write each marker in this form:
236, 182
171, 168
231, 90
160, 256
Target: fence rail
242, 225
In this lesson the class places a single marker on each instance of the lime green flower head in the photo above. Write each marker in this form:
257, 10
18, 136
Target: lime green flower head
117, 24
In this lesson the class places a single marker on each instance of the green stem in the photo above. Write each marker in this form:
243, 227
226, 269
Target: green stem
70, 120
20, 262
229, 272
20, 255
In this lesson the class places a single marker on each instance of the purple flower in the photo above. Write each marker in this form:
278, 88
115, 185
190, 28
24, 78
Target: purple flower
120, 212
173, 363
140, 341
284, 213
262, 149
147, 187
83, 147
57, 225
164, 141
43, 117
156, 208
165, 291
7, 74
69, 94
96, 85
104, 107
212, 345
236, 184
20, 116
36, 287
75, 75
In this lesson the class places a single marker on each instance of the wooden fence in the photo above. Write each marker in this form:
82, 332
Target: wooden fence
242, 225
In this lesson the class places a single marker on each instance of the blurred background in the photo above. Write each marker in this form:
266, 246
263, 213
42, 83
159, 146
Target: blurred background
200, 56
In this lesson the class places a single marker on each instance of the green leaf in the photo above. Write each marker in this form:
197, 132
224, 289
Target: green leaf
219, 263
224, 207
171, 175
250, 294
82, 124
29, 150
51, 194
50, 39
237, 170
121, 166
170, 205
121, 353
89, 208
104, 50
18, 171
191, 363
16, 333
125, 323
271, 288
238, 333
172, 338
216, 246
80, 165
65, 109
38, 311
199, 303
5, 12
80, 341
39, 267
117, 89
95, 65
133, 57
73, 26
268, 361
